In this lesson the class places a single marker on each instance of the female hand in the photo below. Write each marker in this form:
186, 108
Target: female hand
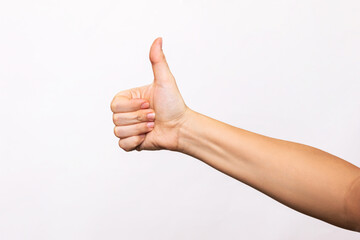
149, 117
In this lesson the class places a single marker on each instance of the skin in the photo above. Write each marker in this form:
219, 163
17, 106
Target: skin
309, 180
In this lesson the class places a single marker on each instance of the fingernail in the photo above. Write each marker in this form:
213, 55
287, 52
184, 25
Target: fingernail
150, 116
150, 124
145, 105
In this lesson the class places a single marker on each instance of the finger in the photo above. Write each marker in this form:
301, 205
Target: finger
160, 67
125, 104
133, 117
134, 129
130, 143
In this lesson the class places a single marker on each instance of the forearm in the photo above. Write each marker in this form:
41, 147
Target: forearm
302, 177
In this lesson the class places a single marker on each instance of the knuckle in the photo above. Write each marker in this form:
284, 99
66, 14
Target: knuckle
117, 131
115, 118
121, 144
124, 146
139, 116
114, 105
118, 120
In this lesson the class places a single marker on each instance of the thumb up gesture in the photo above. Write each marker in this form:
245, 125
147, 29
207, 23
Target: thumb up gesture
150, 117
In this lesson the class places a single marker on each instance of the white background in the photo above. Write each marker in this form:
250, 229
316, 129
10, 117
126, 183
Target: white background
286, 69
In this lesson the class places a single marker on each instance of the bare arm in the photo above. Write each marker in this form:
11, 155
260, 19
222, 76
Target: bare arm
302, 177
309, 180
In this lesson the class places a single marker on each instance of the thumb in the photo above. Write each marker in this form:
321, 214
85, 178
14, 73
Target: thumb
160, 67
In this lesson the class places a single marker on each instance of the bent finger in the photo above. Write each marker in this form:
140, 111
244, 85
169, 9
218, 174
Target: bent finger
133, 117
134, 129
124, 104
130, 143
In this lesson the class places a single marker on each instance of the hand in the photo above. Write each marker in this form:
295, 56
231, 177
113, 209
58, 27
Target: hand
149, 117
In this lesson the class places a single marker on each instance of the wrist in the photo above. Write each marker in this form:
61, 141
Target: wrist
185, 131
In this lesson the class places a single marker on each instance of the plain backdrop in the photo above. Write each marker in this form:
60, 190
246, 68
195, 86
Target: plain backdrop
285, 69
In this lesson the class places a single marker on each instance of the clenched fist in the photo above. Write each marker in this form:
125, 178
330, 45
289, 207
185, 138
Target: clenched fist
149, 117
